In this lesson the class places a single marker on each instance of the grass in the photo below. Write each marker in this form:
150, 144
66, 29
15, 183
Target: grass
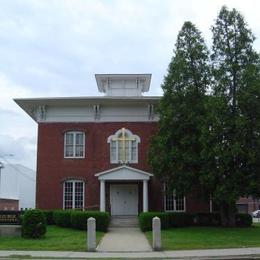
56, 239
209, 237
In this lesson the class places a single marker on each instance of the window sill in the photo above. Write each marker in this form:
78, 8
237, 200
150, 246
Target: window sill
123, 162
174, 210
73, 157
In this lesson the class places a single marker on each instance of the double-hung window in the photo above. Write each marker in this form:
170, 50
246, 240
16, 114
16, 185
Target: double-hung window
123, 147
173, 201
74, 144
73, 194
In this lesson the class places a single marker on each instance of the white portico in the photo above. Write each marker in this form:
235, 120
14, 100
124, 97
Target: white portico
124, 180
123, 197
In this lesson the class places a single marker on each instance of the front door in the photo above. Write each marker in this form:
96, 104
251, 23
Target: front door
124, 199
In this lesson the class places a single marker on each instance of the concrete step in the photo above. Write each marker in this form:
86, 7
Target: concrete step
124, 221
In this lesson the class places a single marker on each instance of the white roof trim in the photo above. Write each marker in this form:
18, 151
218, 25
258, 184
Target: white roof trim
4, 197
101, 78
31, 105
123, 173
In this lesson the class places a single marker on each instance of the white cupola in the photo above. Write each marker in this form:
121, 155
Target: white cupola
123, 84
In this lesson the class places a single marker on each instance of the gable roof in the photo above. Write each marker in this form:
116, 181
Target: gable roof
123, 172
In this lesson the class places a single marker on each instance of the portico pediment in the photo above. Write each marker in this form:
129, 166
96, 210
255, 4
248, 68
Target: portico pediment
124, 173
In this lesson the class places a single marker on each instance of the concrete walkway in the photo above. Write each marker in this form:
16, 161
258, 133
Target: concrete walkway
124, 239
239, 253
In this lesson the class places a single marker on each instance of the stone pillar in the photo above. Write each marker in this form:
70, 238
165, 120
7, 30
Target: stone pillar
145, 195
102, 196
156, 234
91, 235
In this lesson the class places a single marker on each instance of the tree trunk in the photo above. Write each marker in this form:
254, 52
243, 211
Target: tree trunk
227, 214
224, 214
232, 215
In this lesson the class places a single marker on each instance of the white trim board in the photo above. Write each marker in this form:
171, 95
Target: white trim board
124, 173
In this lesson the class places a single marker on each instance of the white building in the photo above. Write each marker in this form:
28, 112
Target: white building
18, 183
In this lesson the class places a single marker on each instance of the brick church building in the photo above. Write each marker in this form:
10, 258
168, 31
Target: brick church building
92, 151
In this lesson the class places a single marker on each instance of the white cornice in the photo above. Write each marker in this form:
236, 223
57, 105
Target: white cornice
90, 109
103, 80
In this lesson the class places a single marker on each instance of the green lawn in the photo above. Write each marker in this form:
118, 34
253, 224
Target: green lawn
56, 238
209, 237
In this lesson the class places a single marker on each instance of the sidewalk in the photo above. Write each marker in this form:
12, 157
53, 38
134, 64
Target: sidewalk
124, 239
239, 253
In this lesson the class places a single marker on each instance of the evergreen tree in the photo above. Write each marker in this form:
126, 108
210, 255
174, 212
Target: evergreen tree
175, 150
231, 130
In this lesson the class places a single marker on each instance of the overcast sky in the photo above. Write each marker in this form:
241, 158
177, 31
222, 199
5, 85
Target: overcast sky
54, 48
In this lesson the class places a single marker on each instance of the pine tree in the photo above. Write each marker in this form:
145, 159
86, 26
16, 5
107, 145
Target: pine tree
175, 150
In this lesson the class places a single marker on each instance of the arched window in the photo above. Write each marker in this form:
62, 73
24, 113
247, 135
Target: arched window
73, 194
123, 147
74, 144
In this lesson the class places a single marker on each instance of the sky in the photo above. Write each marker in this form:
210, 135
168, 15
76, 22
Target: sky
51, 48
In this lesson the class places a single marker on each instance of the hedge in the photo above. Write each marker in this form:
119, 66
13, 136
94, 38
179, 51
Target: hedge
180, 219
207, 219
79, 219
214, 219
62, 218
243, 220
49, 217
33, 224
145, 220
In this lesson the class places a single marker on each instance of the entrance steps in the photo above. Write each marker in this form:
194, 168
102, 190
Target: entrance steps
123, 221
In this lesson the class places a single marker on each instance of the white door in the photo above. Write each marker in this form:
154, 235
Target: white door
124, 199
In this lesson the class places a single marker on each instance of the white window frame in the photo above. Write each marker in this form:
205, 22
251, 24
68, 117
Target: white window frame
73, 193
74, 144
131, 135
174, 201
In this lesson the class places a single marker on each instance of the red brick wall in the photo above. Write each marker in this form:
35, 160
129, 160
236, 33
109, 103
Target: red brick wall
52, 168
248, 204
9, 204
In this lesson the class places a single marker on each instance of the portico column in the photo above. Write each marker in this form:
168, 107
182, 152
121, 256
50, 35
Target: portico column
102, 196
145, 195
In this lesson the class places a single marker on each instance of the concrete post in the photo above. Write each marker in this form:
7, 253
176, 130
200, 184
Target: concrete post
145, 195
91, 235
156, 234
102, 196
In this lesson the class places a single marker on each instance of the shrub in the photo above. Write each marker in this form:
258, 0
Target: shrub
207, 219
79, 219
180, 219
33, 224
243, 220
49, 217
62, 218
145, 220
20, 219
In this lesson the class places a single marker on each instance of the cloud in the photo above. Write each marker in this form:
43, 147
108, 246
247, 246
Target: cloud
17, 131
22, 149
9, 90
54, 48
